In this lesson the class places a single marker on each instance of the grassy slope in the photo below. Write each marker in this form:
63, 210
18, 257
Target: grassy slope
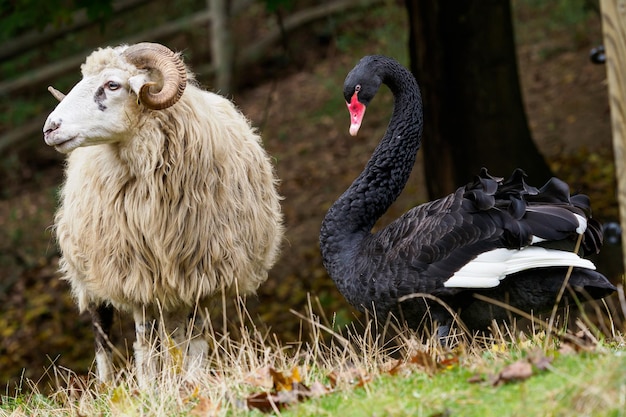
587, 384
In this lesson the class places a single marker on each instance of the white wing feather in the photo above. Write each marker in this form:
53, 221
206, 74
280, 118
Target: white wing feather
489, 268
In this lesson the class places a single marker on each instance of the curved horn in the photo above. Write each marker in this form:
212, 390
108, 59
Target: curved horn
161, 58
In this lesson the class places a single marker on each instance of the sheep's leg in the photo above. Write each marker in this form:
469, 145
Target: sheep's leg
172, 345
197, 350
102, 320
146, 355
188, 347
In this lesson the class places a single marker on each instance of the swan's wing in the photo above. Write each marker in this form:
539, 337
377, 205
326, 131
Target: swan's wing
487, 230
434, 240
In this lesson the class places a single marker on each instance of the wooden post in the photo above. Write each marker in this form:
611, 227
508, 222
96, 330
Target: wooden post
614, 32
221, 45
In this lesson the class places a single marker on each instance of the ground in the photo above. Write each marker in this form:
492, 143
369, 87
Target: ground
566, 102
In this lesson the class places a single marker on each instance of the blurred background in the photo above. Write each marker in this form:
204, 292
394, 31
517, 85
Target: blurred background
283, 63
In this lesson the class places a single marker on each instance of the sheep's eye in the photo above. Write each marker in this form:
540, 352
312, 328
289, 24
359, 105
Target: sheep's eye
112, 85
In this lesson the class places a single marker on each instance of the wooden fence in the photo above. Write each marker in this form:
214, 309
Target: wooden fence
614, 33
252, 51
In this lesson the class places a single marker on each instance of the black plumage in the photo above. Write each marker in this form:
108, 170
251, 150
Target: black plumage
520, 237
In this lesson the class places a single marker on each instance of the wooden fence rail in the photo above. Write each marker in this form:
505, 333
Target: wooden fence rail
51, 33
18, 136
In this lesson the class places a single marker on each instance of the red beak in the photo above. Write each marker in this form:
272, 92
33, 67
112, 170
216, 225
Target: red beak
357, 110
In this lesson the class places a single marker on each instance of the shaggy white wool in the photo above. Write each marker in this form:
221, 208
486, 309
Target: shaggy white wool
160, 210
182, 207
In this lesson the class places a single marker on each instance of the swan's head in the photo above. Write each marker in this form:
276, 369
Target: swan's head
359, 88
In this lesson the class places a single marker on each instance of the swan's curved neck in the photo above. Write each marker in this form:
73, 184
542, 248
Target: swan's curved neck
353, 215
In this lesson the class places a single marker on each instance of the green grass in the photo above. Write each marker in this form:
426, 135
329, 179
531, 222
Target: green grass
583, 384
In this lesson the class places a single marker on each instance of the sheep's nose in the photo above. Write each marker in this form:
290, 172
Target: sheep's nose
49, 128
51, 125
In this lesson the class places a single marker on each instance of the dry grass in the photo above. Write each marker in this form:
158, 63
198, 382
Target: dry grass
331, 372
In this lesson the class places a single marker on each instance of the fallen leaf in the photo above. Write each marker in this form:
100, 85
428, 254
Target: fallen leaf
398, 367
278, 399
286, 389
205, 408
583, 340
540, 361
449, 363
517, 371
567, 349
261, 377
265, 402
284, 382
351, 376
318, 389
475, 379
424, 360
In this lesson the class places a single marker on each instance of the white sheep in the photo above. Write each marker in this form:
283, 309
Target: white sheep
169, 198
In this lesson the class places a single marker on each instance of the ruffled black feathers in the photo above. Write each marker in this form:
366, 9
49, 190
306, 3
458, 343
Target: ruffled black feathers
544, 215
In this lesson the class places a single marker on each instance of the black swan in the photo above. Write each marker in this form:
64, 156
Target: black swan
503, 239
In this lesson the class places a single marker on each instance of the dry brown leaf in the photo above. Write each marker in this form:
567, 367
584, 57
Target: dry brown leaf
264, 401
268, 377
260, 378
351, 376
475, 379
284, 382
278, 399
318, 389
424, 360
286, 390
397, 367
391, 366
582, 341
517, 371
449, 363
205, 408
567, 349
540, 361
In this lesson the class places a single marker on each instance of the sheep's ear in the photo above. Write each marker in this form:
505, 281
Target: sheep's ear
137, 82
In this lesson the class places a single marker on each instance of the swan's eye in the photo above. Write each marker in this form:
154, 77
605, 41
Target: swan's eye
357, 88
112, 85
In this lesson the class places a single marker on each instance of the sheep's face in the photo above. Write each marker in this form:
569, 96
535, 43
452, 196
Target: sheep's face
104, 106
97, 110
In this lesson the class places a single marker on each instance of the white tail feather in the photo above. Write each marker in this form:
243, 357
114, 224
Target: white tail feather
489, 268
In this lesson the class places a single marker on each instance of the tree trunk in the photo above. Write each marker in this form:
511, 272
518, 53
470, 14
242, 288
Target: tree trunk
463, 55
